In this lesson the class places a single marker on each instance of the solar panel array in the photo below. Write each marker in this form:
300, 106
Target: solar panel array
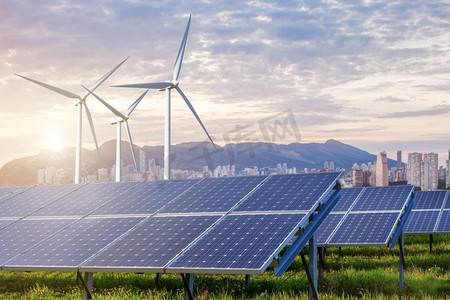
365, 216
224, 225
431, 213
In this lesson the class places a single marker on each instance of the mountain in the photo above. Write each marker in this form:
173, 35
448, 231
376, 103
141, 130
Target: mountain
190, 156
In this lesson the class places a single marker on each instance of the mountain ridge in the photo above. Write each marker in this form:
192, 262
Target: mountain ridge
191, 156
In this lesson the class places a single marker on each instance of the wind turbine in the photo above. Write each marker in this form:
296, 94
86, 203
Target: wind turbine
118, 120
79, 101
168, 86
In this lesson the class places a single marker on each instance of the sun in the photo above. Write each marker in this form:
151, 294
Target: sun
53, 142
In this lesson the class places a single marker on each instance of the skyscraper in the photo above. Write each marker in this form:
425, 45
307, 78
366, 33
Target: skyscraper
448, 170
430, 172
382, 170
413, 175
143, 161
399, 159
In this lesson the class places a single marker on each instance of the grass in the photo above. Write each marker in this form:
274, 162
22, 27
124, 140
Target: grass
352, 273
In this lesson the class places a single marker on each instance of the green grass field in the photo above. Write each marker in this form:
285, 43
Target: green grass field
355, 273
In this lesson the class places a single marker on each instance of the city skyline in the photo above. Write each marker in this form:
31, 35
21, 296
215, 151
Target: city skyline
373, 75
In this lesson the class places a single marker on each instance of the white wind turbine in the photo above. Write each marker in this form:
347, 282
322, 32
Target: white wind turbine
79, 101
118, 120
168, 86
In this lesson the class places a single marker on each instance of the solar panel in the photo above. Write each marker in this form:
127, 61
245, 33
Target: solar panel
327, 227
152, 245
146, 198
5, 192
214, 195
383, 198
348, 197
429, 200
364, 229
68, 248
447, 201
290, 192
444, 222
85, 199
246, 243
23, 234
422, 221
4, 223
23, 204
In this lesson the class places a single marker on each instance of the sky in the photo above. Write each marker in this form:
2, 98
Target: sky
372, 74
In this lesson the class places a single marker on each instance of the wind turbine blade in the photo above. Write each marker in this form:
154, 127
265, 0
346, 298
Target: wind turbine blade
180, 55
150, 85
53, 88
131, 145
112, 109
91, 124
106, 76
195, 114
133, 106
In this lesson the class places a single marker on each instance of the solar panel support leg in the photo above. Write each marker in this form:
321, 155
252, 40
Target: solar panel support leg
308, 275
402, 261
87, 283
188, 281
313, 266
158, 280
431, 242
321, 261
247, 280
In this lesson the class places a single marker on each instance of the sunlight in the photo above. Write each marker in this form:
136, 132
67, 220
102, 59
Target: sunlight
53, 142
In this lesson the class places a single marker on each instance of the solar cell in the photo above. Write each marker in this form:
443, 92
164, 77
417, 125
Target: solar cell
246, 243
23, 234
421, 221
145, 198
429, 200
68, 248
290, 192
365, 229
214, 195
4, 223
447, 201
153, 244
444, 222
85, 199
348, 196
327, 227
25, 203
383, 198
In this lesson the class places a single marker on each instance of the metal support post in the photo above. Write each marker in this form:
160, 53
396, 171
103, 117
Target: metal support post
314, 295
158, 280
247, 280
431, 242
188, 281
87, 283
402, 261
313, 265
321, 251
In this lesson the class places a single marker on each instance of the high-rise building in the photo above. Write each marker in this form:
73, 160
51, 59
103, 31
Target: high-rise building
414, 169
332, 166
430, 172
448, 170
143, 161
399, 159
382, 170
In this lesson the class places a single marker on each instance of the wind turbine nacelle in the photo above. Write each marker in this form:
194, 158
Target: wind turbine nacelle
76, 102
116, 120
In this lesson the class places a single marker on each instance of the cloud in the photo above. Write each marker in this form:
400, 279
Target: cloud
390, 99
434, 111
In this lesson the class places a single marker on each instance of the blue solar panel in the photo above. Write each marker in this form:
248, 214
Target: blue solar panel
383, 198
145, 198
4, 223
23, 234
290, 192
447, 201
214, 195
73, 245
6, 192
85, 199
365, 229
421, 221
34, 198
239, 242
429, 200
154, 243
327, 227
348, 196
444, 222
